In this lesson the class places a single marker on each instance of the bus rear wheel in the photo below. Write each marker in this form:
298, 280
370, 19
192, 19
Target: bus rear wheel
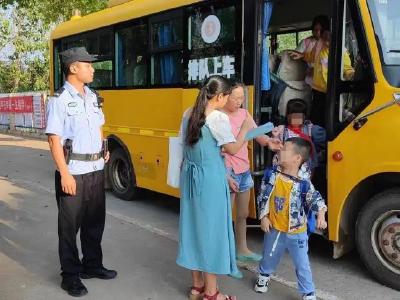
121, 176
378, 237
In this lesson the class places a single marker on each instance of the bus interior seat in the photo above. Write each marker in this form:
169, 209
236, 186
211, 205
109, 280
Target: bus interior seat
139, 75
293, 73
273, 63
290, 69
295, 89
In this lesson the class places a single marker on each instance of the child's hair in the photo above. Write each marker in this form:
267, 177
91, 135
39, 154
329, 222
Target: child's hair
301, 147
296, 106
213, 86
237, 84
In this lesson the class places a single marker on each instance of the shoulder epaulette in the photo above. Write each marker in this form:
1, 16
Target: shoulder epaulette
100, 100
59, 92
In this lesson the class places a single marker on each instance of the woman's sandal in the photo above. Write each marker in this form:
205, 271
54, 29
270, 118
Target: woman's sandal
199, 290
214, 297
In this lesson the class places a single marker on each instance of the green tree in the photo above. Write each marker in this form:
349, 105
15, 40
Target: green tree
25, 27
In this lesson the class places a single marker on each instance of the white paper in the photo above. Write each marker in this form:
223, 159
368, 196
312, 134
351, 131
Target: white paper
175, 161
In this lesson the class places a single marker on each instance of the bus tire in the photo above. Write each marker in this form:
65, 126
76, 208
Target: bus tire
378, 237
121, 175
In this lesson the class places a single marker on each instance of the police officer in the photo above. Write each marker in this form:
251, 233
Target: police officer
74, 121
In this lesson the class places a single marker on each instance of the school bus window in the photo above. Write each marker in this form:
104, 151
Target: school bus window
167, 34
167, 44
211, 27
76, 42
303, 35
212, 33
104, 74
106, 44
166, 68
57, 69
131, 59
350, 51
354, 67
287, 41
386, 20
100, 43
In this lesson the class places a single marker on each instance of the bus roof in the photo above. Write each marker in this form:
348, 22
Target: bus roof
116, 14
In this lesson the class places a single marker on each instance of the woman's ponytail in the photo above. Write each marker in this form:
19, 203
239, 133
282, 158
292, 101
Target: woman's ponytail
212, 87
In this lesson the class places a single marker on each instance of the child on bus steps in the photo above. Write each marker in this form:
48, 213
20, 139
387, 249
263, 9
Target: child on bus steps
298, 126
238, 171
284, 202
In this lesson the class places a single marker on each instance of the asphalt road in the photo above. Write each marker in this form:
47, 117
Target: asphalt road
140, 241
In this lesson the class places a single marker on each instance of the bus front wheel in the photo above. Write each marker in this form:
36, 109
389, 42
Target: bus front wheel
378, 237
121, 176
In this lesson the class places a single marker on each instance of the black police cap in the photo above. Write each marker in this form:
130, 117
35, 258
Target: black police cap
72, 55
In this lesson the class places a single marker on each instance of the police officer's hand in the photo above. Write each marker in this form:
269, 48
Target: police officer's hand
68, 184
107, 157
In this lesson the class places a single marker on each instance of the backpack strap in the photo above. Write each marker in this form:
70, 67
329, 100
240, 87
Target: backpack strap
268, 172
304, 187
309, 127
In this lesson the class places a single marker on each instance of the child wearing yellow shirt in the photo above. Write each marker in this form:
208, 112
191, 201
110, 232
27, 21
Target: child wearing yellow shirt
283, 205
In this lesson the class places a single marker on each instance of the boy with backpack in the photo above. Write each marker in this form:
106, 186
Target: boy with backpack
287, 207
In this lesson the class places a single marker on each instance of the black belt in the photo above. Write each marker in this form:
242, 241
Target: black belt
86, 157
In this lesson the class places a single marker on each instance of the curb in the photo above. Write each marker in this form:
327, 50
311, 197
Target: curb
25, 132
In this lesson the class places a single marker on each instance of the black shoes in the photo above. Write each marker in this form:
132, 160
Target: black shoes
74, 287
101, 273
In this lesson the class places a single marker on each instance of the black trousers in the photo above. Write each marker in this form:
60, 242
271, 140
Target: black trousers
318, 108
85, 212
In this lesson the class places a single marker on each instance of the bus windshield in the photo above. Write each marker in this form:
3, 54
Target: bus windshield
386, 19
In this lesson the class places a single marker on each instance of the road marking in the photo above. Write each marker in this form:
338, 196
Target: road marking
142, 225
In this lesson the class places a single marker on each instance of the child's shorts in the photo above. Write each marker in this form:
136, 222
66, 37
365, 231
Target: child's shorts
244, 180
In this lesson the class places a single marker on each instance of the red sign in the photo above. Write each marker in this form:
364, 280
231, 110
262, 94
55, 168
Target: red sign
16, 104
5, 105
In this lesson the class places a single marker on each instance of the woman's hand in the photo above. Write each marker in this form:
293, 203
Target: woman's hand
296, 55
248, 123
233, 184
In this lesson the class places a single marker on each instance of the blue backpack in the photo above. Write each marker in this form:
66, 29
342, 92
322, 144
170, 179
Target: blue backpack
311, 220
304, 187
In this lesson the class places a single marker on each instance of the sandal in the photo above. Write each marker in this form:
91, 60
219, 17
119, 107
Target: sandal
198, 296
214, 297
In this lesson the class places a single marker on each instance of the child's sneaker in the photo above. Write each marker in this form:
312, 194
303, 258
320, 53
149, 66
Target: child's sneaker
261, 285
310, 296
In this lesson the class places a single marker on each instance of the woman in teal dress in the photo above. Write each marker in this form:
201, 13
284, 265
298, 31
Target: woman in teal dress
206, 239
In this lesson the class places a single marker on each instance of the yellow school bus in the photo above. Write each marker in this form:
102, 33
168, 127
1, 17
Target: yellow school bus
153, 54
